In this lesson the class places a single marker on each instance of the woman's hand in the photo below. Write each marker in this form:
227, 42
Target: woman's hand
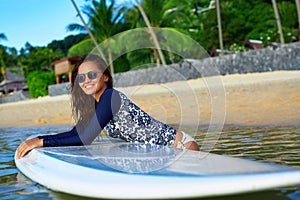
27, 146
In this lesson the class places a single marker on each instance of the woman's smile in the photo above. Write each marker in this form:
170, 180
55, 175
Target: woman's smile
89, 86
92, 85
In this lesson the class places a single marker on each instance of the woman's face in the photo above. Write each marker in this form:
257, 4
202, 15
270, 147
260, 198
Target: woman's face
91, 80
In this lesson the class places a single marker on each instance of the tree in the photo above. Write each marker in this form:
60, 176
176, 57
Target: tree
288, 16
81, 49
157, 49
278, 21
39, 59
3, 36
152, 13
104, 22
65, 44
8, 58
2, 54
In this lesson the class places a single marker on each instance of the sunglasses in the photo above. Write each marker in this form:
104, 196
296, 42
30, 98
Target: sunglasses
92, 75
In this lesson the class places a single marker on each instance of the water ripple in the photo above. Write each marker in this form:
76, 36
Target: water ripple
275, 145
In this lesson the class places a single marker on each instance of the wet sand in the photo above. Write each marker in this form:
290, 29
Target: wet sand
256, 99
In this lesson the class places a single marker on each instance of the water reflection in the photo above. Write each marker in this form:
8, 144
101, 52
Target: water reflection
280, 145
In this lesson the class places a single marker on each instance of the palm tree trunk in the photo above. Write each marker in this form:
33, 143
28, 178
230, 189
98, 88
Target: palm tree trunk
278, 21
2, 68
106, 42
156, 44
3, 72
219, 25
298, 11
88, 30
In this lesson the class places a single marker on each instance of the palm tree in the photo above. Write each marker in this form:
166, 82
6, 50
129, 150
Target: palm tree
153, 36
104, 22
86, 27
2, 64
157, 14
2, 36
298, 12
219, 25
278, 21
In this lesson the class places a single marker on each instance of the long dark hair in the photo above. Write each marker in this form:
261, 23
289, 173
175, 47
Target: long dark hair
83, 106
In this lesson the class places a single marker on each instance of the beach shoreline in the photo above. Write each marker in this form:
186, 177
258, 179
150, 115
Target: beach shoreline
255, 99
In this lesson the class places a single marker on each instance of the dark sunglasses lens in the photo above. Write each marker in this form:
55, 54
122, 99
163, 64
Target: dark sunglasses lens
81, 78
92, 75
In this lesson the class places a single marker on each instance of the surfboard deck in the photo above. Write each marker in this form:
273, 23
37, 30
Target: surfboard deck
116, 169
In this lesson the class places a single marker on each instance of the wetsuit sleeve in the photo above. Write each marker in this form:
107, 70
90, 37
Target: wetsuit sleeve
61, 138
109, 104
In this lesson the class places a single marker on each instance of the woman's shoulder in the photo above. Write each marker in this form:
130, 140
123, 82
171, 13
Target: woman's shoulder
110, 98
115, 97
115, 92
110, 91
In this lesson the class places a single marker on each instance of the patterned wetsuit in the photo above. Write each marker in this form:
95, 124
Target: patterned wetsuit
133, 124
121, 118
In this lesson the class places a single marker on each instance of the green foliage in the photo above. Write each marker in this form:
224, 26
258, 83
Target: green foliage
65, 44
240, 19
8, 58
38, 82
288, 13
253, 19
236, 48
3, 36
140, 57
121, 64
290, 34
39, 59
268, 36
82, 48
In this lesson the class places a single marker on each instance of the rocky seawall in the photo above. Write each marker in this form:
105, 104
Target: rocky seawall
285, 57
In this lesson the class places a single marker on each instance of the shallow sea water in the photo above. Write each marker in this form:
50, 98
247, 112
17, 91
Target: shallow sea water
278, 145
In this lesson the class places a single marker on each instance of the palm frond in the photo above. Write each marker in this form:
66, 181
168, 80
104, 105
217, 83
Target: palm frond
3, 36
75, 27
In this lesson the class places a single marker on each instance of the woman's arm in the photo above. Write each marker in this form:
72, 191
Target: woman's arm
27, 146
109, 104
43, 141
61, 139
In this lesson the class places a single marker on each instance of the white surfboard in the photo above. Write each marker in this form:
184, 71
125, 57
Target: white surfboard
115, 169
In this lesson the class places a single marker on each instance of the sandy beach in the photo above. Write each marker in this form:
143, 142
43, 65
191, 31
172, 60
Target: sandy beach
256, 99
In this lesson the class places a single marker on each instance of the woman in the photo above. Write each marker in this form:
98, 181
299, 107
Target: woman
96, 105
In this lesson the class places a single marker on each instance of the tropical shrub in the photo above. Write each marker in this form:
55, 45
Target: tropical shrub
38, 82
82, 48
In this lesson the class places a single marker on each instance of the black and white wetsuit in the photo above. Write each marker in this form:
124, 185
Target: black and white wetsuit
121, 118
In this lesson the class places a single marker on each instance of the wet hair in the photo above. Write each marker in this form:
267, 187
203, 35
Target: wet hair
83, 105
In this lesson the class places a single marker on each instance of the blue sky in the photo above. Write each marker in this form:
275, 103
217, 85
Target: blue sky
37, 21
